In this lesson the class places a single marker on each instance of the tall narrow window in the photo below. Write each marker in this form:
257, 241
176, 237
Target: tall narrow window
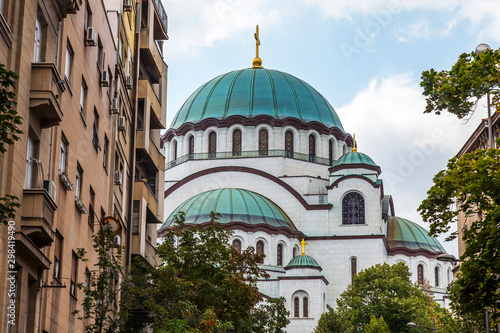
86, 286
74, 274
91, 207
191, 145
212, 144
260, 247
63, 160
330, 152
354, 269
83, 98
237, 245
237, 142
263, 142
100, 55
87, 18
312, 148
31, 162
69, 63
305, 307
174, 148
152, 181
57, 256
296, 307
420, 274
289, 144
279, 255
105, 153
95, 137
436, 276
78, 181
353, 209
38, 40
295, 252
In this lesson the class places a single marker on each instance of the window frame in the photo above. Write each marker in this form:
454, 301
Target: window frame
68, 64
353, 213
78, 181
74, 274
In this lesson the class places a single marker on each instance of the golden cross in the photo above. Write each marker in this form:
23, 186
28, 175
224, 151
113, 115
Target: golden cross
354, 149
257, 42
303, 243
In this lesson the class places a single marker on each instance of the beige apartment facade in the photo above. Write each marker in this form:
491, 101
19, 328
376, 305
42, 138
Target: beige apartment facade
92, 95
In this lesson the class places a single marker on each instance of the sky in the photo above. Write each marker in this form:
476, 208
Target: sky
365, 56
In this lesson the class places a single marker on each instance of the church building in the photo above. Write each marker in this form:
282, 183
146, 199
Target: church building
269, 153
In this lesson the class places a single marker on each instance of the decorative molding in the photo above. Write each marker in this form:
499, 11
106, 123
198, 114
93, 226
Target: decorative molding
355, 166
304, 278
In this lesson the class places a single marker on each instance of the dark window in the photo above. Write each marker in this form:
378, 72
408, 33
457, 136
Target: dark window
91, 208
105, 153
237, 245
79, 180
237, 142
353, 209
174, 148
294, 252
330, 152
135, 217
58, 256
436, 276
212, 144
296, 307
279, 255
191, 144
83, 98
263, 142
100, 55
312, 148
74, 273
260, 247
354, 269
95, 137
420, 274
305, 307
289, 144
63, 161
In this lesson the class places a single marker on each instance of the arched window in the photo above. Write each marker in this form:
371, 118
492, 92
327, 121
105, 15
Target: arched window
353, 209
331, 156
174, 148
450, 276
296, 307
237, 245
263, 142
295, 251
420, 274
260, 247
312, 148
212, 144
279, 255
305, 307
236, 142
436, 276
354, 269
191, 145
289, 144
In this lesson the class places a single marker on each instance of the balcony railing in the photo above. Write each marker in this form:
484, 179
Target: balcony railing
250, 154
162, 15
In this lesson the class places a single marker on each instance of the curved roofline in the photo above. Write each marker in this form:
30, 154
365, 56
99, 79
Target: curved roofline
266, 175
261, 119
368, 180
355, 166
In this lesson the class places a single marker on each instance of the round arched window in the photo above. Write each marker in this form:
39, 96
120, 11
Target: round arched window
353, 209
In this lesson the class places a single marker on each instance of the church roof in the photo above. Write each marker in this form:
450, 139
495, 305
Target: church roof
254, 92
404, 234
234, 205
303, 261
355, 158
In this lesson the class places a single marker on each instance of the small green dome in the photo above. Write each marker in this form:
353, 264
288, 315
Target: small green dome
354, 158
254, 92
234, 205
404, 234
303, 261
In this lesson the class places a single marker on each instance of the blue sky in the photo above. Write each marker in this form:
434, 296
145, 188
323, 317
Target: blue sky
365, 56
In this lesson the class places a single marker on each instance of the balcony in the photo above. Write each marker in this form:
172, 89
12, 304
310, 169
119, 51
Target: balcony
160, 21
46, 88
147, 150
68, 6
143, 191
143, 248
37, 216
158, 112
151, 57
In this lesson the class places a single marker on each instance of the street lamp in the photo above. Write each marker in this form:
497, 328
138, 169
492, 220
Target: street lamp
433, 328
480, 49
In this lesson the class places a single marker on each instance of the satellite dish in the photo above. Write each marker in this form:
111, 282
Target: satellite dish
113, 223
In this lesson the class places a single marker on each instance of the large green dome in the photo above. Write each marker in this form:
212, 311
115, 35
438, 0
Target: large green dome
404, 234
254, 92
234, 205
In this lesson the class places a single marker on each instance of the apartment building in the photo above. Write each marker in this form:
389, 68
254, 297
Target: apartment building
92, 95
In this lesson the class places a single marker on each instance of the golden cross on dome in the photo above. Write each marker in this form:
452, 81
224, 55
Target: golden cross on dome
354, 144
303, 243
257, 62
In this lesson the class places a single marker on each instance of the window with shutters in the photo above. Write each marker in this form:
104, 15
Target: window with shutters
237, 142
353, 209
263, 142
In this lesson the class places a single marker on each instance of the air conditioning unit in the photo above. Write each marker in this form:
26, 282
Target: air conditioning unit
122, 124
50, 187
104, 79
90, 37
115, 106
127, 5
118, 177
128, 82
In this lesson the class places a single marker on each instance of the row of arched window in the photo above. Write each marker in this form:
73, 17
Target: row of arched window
263, 145
259, 249
437, 274
296, 307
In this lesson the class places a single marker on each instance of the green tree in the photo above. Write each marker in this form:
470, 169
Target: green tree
385, 291
100, 303
459, 89
9, 132
202, 284
270, 316
331, 322
376, 326
471, 186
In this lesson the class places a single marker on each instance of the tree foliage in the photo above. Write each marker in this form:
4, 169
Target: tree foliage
9, 132
270, 316
331, 322
101, 301
201, 285
471, 186
376, 326
459, 89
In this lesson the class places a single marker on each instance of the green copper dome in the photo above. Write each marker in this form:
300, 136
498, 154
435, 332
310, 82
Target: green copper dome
303, 261
234, 205
405, 234
254, 92
355, 158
